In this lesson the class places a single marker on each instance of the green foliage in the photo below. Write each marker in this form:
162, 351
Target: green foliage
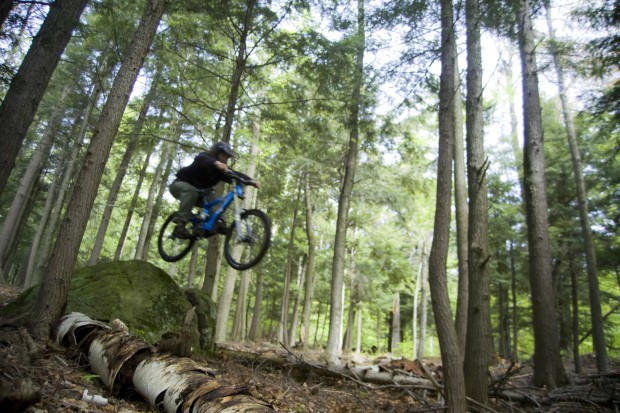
296, 87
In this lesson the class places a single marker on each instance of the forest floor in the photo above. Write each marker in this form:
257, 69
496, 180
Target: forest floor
58, 382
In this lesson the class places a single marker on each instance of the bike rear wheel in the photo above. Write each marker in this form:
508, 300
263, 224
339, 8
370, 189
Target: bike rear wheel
172, 248
244, 250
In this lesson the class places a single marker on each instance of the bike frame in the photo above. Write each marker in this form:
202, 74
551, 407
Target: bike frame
224, 201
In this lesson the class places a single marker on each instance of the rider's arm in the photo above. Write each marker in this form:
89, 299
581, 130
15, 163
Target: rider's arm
221, 166
250, 181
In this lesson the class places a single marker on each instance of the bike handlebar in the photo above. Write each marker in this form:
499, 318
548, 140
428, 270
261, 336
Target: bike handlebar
241, 179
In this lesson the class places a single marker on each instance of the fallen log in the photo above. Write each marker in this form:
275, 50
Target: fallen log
301, 368
170, 382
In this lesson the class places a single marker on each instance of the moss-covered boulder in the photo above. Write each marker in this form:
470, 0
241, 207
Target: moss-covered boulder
140, 294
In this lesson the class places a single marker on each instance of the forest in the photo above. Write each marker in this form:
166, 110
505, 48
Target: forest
440, 176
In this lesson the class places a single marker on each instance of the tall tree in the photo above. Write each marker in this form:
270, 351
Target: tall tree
462, 214
22, 100
28, 181
53, 291
548, 367
71, 165
478, 313
344, 201
446, 332
122, 171
309, 285
596, 315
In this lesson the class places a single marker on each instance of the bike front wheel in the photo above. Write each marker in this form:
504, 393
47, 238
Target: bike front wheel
172, 248
245, 246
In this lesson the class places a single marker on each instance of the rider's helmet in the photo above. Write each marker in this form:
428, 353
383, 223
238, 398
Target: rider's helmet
224, 147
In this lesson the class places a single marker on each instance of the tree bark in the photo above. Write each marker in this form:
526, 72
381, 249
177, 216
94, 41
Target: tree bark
72, 164
240, 322
416, 300
28, 181
446, 332
344, 200
596, 314
423, 317
462, 215
286, 292
53, 292
163, 184
27, 88
301, 275
310, 282
395, 336
132, 207
258, 302
548, 368
121, 172
142, 247
476, 361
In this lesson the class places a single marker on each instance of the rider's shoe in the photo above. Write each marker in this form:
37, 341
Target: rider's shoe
220, 226
181, 232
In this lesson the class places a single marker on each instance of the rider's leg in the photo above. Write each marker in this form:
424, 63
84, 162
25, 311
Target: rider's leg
187, 195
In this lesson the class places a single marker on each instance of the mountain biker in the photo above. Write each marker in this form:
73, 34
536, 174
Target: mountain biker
206, 171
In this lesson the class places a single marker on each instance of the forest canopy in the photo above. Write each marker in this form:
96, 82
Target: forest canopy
344, 112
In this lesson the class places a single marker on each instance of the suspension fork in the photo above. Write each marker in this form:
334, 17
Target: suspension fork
237, 211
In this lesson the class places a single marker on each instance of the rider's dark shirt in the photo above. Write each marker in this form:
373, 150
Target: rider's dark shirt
202, 173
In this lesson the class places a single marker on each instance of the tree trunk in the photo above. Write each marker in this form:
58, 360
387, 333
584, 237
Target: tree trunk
446, 332
286, 292
53, 292
462, 215
71, 166
395, 336
238, 71
575, 321
132, 207
310, 280
416, 300
258, 302
239, 330
358, 335
596, 314
11, 266
225, 300
213, 267
213, 258
163, 184
301, 275
28, 181
240, 322
27, 88
191, 274
29, 280
477, 354
344, 201
503, 320
423, 317
223, 305
515, 312
142, 247
121, 172
548, 368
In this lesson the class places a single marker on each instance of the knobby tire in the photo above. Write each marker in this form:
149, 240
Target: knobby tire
245, 254
172, 249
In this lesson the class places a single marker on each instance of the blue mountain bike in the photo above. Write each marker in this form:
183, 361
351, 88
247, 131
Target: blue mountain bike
247, 237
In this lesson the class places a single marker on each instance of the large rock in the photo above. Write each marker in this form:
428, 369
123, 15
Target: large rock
143, 296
